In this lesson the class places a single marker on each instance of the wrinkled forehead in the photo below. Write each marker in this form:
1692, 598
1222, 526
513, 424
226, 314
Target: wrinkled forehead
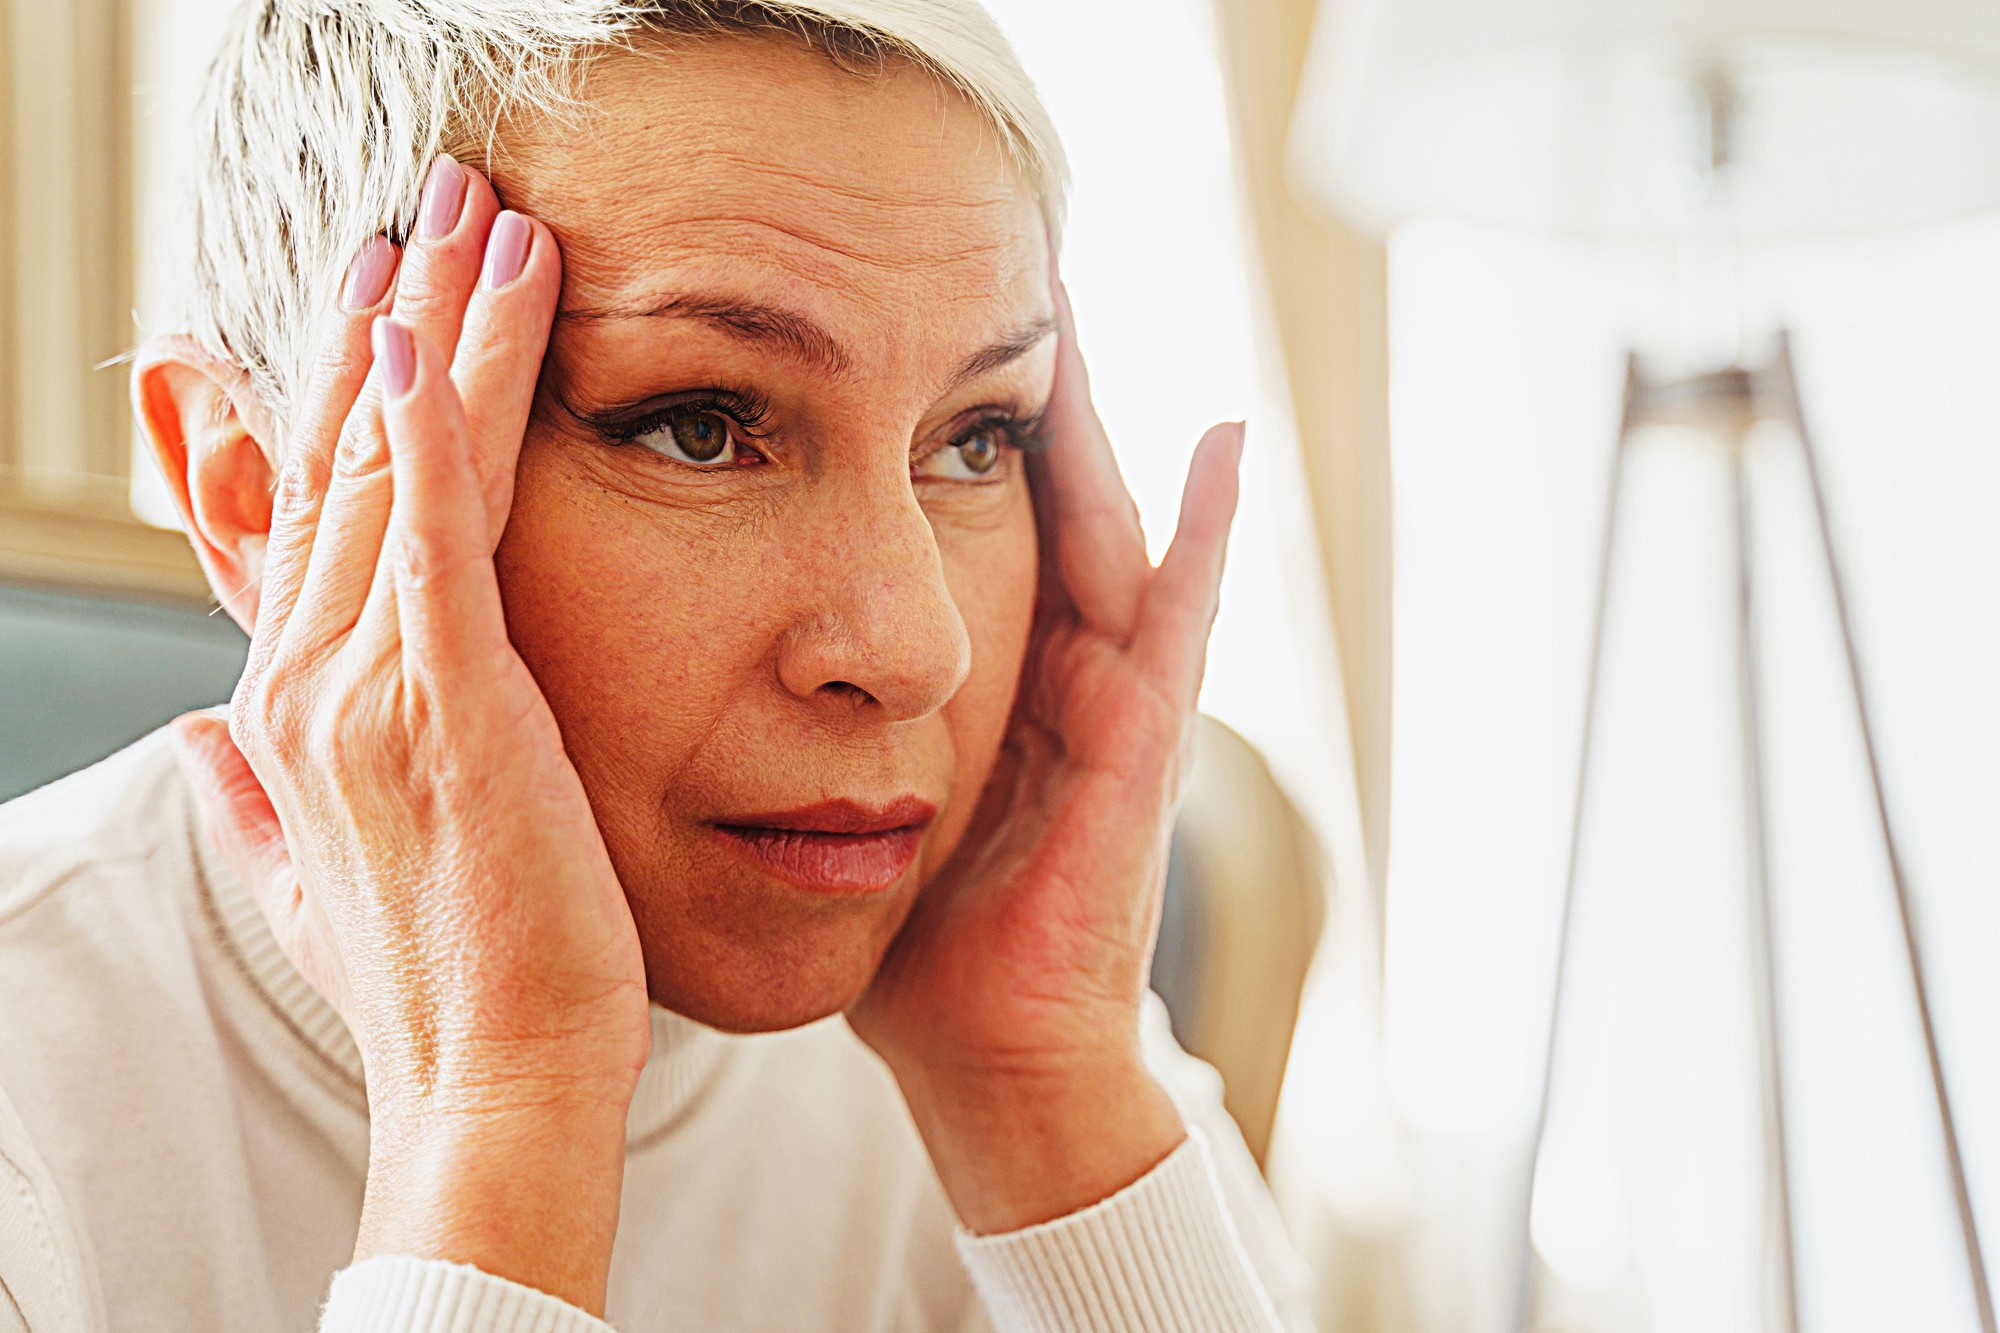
880, 199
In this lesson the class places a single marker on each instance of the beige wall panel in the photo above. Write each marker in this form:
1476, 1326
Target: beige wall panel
67, 245
66, 297
8, 450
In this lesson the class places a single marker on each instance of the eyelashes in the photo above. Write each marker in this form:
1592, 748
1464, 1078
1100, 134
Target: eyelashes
748, 414
1027, 433
747, 410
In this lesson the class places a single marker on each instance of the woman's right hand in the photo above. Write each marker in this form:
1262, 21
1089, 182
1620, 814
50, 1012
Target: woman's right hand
392, 786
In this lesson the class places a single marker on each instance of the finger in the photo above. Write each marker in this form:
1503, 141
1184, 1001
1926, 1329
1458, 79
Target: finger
441, 266
1099, 547
1183, 594
437, 568
500, 352
339, 369
354, 516
438, 272
236, 813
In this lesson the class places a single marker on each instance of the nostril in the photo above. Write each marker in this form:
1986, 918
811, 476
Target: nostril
848, 690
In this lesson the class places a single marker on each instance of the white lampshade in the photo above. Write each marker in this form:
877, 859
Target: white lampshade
1574, 114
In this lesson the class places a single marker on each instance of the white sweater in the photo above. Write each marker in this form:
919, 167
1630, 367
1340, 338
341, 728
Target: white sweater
184, 1141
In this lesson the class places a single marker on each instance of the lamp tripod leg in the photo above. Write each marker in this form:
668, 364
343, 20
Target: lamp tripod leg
1783, 388
1763, 948
1525, 1287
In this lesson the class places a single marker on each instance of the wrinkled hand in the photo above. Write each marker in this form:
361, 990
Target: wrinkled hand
393, 790
1008, 1006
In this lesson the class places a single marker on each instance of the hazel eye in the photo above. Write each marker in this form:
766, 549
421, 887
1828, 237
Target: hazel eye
699, 437
971, 457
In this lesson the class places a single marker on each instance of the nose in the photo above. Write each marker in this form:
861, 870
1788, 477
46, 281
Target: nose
878, 624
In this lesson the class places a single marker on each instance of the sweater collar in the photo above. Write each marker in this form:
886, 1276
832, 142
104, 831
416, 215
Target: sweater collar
686, 1055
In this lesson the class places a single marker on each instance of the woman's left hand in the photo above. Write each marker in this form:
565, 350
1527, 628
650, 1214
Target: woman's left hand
1008, 1006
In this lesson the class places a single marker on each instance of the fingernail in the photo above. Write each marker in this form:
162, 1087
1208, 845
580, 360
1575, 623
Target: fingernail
368, 274
506, 250
444, 195
396, 353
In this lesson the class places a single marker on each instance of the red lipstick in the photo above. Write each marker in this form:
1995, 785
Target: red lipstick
838, 847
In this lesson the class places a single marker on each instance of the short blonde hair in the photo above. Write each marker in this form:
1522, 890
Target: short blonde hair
319, 118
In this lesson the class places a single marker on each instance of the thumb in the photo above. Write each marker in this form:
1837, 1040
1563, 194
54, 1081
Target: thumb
236, 812
243, 823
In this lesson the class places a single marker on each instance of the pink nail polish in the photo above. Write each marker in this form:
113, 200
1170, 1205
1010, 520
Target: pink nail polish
444, 197
368, 275
506, 250
396, 353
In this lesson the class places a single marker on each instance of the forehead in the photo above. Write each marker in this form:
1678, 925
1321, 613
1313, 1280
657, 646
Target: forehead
876, 199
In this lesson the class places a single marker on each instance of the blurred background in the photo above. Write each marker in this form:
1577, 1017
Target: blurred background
1367, 894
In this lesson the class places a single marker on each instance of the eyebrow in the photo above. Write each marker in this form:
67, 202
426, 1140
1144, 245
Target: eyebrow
800, 336
1010, 348
786, 331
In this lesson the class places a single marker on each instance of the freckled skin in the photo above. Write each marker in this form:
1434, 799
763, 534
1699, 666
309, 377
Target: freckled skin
818, 625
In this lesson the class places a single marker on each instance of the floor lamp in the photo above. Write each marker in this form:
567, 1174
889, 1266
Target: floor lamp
1700, 122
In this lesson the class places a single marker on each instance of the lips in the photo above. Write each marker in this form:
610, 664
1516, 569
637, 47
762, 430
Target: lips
834, 847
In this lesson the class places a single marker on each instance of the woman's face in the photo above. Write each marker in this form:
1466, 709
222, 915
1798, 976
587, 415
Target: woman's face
772, 552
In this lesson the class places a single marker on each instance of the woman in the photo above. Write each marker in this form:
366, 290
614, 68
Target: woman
691, 602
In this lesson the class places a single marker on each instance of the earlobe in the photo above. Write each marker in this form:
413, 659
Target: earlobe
197, 412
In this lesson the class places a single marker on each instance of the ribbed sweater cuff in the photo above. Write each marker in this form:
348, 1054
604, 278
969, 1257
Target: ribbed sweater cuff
1159, 1256
391, 1293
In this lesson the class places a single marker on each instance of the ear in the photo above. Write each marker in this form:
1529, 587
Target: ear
211, 435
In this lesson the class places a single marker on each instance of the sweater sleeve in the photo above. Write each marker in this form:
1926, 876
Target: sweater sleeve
1200, 1229
1160, 1256
398, 1294
1192, 1246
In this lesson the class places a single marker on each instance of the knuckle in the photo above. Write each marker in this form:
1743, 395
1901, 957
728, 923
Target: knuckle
343, 354
363, 449
425, 563
424, 302
302, 478
338, 362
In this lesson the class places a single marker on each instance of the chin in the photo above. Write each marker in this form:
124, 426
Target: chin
758, 962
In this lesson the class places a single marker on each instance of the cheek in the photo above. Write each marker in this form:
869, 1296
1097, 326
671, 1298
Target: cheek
991, 569
634, 626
